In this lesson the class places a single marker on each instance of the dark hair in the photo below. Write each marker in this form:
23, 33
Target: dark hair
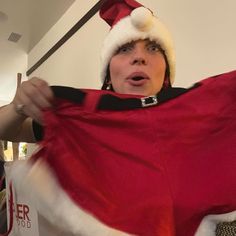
166, 83
106, 85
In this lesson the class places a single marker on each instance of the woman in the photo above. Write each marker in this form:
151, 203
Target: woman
138, 68
142, 65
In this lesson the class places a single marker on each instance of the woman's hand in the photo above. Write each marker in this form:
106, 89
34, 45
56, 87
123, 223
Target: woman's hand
31, 97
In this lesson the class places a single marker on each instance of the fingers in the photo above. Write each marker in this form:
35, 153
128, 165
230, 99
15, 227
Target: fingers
35, 94
43, 88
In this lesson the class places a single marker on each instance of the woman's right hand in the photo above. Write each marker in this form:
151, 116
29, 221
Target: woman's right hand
32, 96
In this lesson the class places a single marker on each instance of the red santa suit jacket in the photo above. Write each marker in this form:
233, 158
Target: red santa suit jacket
134, 170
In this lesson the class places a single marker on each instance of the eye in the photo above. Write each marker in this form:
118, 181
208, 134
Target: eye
125, 49
154, 47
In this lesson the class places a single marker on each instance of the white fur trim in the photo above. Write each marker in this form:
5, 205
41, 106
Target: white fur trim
208, 224
38, 183
125, 31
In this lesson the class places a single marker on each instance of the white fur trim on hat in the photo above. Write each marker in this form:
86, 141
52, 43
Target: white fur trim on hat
209, 223
141, 24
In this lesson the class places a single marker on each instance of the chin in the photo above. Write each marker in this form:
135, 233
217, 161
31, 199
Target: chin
138, 93
141, 91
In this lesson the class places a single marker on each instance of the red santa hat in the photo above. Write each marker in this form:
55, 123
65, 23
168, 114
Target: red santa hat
131, 21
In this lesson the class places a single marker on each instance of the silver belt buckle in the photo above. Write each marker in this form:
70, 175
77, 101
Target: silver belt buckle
149, 101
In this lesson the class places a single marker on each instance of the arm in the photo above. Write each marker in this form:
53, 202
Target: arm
34, 94
15, 127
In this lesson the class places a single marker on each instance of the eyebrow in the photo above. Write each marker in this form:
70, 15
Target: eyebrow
152, 42
127, 44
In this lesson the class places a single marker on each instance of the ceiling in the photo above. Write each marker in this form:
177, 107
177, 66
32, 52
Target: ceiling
29, 18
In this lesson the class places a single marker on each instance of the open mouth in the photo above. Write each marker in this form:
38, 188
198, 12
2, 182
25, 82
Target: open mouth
137, 78
137, 81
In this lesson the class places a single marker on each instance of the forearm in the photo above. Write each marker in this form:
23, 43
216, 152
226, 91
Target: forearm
31, 98
15, 127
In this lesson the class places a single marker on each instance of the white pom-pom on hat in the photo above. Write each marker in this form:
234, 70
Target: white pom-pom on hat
142, 18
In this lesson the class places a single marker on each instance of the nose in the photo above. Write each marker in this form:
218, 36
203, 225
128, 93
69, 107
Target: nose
138, 56
138, 61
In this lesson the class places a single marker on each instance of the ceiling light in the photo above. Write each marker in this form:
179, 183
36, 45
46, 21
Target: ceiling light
14, 37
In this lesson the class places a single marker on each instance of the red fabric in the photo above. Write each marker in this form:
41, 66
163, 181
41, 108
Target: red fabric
114, 10
150, 171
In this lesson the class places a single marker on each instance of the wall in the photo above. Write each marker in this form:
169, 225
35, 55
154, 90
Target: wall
18, 63
76, 63
202, 31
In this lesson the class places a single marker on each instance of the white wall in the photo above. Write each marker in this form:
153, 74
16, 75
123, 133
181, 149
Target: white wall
203, 32
76, 63
18, 64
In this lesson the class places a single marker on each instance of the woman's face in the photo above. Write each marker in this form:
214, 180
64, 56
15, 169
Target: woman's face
138, 68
